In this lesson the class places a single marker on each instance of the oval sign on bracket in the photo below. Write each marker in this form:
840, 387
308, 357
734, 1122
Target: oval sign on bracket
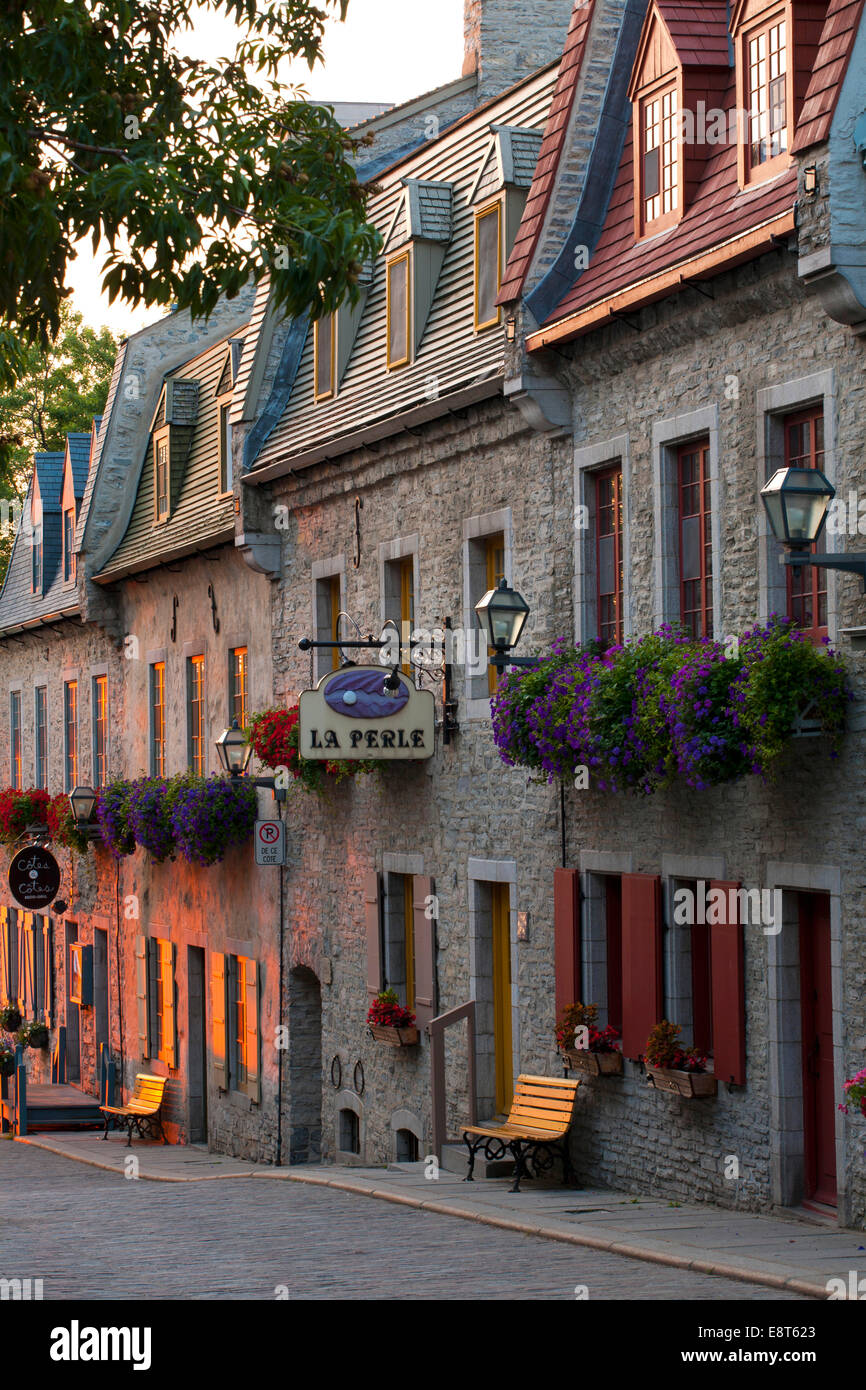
34, 878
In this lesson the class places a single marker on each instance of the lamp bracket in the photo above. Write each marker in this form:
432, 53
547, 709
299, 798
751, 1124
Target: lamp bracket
853, 563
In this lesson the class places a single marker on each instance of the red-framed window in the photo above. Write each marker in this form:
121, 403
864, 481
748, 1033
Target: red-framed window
608, 557
807, 587
695, 538
659, 161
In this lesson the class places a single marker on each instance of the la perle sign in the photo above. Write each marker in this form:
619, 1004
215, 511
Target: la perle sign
351, 715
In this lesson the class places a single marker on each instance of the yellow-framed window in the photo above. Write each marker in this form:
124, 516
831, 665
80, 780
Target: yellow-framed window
161, 474
398, 309
157, 719
195, 714
333, 583
325, 357
100, 730
407, 604
488, 265
224, 405
238, 686
494, 555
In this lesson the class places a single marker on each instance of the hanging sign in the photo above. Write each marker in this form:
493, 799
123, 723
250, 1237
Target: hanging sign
351, 715
34, 878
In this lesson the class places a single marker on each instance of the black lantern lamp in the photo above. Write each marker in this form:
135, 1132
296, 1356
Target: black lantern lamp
502, 613
796, 502
234, 750
82, 801
393, 685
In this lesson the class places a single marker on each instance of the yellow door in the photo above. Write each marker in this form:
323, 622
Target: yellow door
501, 924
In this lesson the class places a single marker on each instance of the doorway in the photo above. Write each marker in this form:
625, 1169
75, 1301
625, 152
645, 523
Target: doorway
196, 1044
500, 915
816, 1009
305, 1073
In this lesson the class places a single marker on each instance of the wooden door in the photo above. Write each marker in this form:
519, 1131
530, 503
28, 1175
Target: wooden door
816, 1001
501, 927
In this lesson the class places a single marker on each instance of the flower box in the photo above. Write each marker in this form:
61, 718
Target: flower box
394, 1037
694, 1085
595, 1063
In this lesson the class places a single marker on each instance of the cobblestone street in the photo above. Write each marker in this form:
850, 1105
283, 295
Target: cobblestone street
90, 1235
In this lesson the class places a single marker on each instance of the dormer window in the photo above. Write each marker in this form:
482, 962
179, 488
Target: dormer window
766, 85
488, 265
162, 475
68, 546
659, 168
325, 356
398, 310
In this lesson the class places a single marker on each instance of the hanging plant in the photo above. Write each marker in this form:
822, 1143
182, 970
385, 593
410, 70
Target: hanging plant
855, 1092
149, 815
667, 707
112, 815
18, 809
62, 827
209, 816
274, 735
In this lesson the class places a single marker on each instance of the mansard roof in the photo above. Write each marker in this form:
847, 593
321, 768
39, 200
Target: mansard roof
721, 225
19, 607
828, 71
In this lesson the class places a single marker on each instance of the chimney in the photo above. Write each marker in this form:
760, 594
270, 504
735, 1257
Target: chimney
506, 40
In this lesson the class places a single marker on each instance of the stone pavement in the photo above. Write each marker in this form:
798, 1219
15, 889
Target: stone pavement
780, 1252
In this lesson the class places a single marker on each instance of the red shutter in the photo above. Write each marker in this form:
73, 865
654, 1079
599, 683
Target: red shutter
566, 936
729, 994
424, 912
373, 924
642, 993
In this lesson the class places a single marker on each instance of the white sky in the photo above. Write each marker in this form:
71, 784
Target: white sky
386, 51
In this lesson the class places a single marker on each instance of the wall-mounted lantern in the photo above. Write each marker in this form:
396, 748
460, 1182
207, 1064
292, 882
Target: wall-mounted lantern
796, 502
502, 613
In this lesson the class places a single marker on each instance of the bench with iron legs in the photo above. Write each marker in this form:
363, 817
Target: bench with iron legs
535, 1132
142, 1114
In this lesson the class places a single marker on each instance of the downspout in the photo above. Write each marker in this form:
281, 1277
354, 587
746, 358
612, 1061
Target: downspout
117, 948
280, 1050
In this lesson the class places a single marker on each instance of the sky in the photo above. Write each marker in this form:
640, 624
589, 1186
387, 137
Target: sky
386, 52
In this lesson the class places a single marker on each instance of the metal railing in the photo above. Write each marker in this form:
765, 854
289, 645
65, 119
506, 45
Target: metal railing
436, 1032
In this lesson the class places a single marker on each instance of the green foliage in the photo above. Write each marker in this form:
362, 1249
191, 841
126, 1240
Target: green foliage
200, 176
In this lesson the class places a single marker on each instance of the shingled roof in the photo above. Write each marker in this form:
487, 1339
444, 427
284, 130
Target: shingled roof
19, 606
831, 64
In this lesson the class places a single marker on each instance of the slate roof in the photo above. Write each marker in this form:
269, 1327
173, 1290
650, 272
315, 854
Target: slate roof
79, 459
18, 606
429, 209
831, 63
548, 157
699, 32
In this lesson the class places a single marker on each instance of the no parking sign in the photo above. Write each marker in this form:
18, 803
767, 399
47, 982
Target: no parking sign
270, 842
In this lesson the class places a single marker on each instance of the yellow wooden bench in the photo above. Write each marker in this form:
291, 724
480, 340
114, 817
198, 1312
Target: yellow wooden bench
143, 1109
538, 1123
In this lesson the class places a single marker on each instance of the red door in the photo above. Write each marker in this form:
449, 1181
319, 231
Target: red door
816, 1001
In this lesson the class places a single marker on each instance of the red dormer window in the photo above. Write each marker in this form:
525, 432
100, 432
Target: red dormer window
766, 56
775, 46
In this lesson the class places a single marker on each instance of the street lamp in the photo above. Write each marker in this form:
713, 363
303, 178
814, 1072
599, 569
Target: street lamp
502, 613
234, 750
796, 502
82, 801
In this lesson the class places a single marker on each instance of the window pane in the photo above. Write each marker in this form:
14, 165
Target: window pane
324, 332
487, 268
398, 304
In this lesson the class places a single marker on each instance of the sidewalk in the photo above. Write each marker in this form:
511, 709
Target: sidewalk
778, 1251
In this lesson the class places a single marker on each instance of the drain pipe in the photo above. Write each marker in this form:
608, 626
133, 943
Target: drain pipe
278, 1160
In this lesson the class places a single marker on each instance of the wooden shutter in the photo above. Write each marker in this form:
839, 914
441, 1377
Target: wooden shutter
252, 1085
27, 967
566, 937
425, 948
373, 924
218, 1018
154, 1031
141, 996
48, 968
729, 993
169, 1004
5, 963
642, 992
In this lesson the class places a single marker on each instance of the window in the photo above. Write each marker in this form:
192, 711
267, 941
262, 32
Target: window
324, 350
36, 548
488, 265
328, 606
400, 938
161, 475
15, 738
807, 587
696, 545
608, 561
494, 559
238, 686
157, 719
659, 164
400, 600
100, 730
164, 1002
70, 723
690, 982
398, 310
68, 546
195, 713
602, 947
766, 95
40, 698
226, 471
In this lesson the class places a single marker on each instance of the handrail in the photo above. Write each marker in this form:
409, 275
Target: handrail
436, 1032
